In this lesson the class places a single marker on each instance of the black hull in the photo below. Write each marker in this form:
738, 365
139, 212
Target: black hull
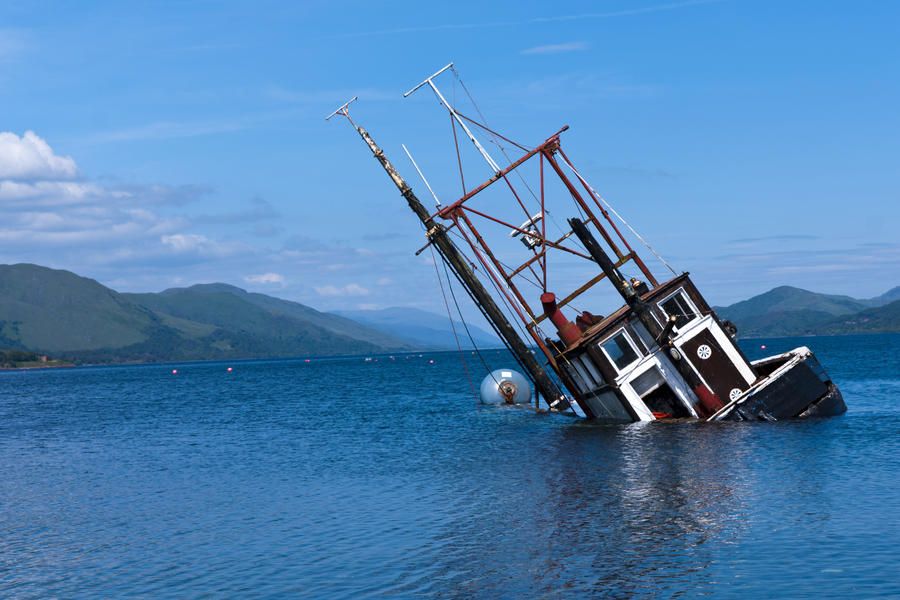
796, 387
829, 405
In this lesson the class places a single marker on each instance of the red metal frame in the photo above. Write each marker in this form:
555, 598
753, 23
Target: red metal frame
462, 215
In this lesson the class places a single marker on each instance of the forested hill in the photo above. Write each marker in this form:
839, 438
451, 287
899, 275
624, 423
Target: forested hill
67, 316
786, 311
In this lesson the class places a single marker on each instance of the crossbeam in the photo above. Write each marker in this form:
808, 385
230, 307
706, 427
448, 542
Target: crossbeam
553, 139
343, 109
591, 283
429, 81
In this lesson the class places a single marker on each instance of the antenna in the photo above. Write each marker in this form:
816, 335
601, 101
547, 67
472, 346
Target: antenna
430, 82
422, 175
428, 79
344, 109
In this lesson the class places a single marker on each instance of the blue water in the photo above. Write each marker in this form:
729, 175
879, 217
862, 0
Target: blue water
342, 478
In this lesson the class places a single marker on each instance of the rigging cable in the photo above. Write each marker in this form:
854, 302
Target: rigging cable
613, 210
510, 312
462, 320
462, 357
491, 135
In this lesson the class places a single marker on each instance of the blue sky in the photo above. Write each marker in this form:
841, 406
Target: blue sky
754, 143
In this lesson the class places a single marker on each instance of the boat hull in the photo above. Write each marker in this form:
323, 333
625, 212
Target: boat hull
793, 385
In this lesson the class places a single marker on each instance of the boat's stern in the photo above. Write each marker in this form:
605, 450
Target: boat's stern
791, 385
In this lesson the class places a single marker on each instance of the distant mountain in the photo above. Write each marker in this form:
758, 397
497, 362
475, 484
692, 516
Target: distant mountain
61, 314
421, 327
881, 319
886, 298
230, 308
58, 311
67, 316
786, 310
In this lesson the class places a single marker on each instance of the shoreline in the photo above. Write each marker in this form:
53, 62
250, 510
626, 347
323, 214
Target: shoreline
66, 365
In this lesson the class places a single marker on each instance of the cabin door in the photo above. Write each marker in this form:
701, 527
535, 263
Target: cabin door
714, 365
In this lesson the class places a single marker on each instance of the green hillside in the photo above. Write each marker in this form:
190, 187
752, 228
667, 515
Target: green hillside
786, 311
231, 319
889, 296
61, 314
58, 311
786, 299
68, 317
216, 303
882, 319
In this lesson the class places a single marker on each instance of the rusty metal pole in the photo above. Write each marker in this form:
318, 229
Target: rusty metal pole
707, 399
437, 234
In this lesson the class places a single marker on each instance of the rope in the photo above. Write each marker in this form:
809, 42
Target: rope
462, 358
462, 320
492, 135
458, 157
510, 313
618, 216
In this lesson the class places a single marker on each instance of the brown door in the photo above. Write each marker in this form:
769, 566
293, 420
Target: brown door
714, 366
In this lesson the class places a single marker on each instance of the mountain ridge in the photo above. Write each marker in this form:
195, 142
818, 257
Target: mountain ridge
424, 327
63, 314
67, 316
791, 311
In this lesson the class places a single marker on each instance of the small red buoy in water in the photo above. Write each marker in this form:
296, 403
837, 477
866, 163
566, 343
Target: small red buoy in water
229, 369
174, 371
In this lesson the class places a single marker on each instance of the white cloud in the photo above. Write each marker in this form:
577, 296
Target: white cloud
30, 157
557, 48
139, 237
49, 213
351, 289
184, 242
200, 245
268, 278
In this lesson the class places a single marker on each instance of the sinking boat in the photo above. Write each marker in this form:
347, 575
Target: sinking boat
661, 354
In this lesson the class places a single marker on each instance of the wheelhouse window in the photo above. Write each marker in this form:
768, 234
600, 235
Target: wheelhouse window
620, 350
679, 306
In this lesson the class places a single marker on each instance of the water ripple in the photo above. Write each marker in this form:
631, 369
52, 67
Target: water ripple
348, 479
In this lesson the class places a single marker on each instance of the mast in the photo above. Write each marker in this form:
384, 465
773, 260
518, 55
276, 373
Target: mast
437, 235
662, 334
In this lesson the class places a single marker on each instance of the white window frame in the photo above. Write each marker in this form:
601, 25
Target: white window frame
687, 298
637, 351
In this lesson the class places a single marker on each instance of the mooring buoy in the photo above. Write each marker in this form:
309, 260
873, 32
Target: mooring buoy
505, 386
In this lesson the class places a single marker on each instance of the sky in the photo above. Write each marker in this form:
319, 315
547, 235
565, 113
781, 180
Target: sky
156, 145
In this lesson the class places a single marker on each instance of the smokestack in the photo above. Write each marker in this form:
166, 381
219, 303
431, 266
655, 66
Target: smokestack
568, 331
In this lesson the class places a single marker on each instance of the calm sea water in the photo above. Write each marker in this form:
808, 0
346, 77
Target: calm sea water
342, 478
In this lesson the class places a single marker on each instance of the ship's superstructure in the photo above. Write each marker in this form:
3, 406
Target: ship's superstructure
514, 241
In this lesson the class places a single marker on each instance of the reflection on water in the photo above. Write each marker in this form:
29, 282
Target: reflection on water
350, 479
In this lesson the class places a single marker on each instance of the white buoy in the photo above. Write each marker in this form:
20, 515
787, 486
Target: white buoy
505, 386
